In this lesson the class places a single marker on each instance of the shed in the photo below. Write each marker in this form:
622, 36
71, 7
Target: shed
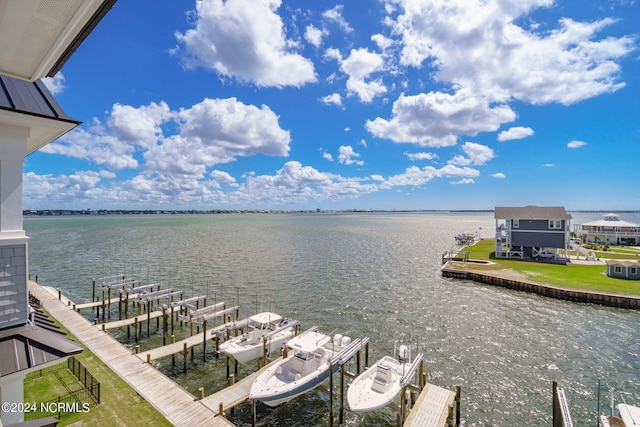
623, 269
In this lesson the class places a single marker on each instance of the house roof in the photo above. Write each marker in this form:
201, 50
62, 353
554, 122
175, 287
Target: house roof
611, 220
31, 105
623, 262
38, 36
531, 212
28, 346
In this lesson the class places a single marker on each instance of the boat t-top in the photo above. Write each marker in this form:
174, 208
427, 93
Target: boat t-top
307, 366
264, 329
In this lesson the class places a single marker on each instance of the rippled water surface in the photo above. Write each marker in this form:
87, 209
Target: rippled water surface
368, 274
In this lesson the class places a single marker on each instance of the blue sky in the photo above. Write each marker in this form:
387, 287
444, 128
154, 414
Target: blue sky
394, 104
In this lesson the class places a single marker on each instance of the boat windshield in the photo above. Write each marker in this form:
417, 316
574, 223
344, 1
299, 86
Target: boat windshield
302, 355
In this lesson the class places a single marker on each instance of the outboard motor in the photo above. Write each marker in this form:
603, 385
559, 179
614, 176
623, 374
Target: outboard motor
404, 354
337, 340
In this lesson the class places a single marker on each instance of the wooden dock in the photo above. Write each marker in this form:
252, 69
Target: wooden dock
130, 321
235, 394
180, 407
177, 347
431, 408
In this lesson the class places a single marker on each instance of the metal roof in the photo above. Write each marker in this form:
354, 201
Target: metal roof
27, 347
531, 212
31, 105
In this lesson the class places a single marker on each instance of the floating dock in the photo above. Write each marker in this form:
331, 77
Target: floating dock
432, 409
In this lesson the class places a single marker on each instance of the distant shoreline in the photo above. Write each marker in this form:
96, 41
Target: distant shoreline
89, 212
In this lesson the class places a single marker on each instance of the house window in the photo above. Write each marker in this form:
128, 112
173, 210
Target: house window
634, 271
617, 269
555, 224
516, 223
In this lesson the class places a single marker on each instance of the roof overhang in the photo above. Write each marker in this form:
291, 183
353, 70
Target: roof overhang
42, 130
38, 36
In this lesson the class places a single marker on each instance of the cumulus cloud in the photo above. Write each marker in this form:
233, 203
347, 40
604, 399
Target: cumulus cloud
333, 99
421, 156
349, 157
244, 40
435, 119
359, 65
463, 181
517, 132
335, 15
566, 64
314, 35
476, 154
212, 132
55, 84
576, 144
499, 175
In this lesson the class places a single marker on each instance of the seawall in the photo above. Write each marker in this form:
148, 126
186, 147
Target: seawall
495, 279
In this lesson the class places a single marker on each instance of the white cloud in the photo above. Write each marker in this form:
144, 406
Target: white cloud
245, 40
436, 119
314, 35
415, 176
363, 143
499, 175
335, 15
327, 156
333, 99
421, 156
348, 157
55, 84
383, 42
359, 65
222, 177
576, 144
517, 132
463, 181
566, 64
476, 154
211, 132
548, 165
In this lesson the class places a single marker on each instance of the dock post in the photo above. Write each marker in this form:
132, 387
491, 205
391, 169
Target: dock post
204, 340
135, 326
403, 404
450, 416
93, 290
148, 321
264, 352
253, 413
109, 303
366, 355
171, 319
341, 419
221, 410
173, 356
228, 366
421, 375
149, 358
458, 394
232, 381
358, 362
331, 395
164, 325
103, 310
184, 350
59, 294
217, 339
201, 393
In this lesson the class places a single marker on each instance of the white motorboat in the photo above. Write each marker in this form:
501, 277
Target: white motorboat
300, 372
629, 414
379, 385
266, 326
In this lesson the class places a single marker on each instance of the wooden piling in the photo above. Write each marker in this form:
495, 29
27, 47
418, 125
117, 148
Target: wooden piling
458, 400
201, 393
341, 418
185, 352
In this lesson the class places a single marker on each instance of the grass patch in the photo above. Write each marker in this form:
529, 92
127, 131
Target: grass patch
120, 404
570, 276
48, 386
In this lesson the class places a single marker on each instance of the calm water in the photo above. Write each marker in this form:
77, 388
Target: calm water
374, 275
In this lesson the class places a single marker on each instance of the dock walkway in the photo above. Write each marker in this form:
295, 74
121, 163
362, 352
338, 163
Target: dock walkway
431, 408
236, 394
130, 321
176, 404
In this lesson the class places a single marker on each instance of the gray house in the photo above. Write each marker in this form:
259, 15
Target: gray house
623, 269
534, 232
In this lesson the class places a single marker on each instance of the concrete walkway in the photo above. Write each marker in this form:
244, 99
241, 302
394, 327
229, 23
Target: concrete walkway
171, 400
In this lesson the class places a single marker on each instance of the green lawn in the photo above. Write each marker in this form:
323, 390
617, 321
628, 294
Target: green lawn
583, 277
120, 404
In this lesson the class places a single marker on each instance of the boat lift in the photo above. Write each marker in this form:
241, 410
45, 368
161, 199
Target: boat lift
341, 358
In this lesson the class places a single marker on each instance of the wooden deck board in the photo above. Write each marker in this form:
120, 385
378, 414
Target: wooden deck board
431, 408
171, 400
130, 321
235, 394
